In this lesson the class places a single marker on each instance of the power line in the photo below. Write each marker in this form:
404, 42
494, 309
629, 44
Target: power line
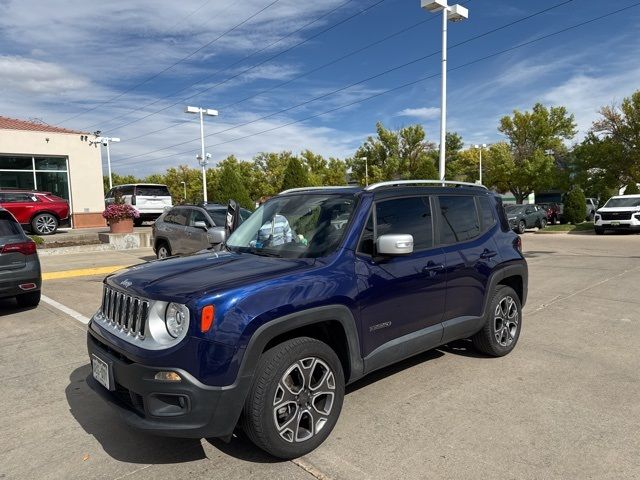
359, 82
181, 101
227, 67
155, 75
408, 84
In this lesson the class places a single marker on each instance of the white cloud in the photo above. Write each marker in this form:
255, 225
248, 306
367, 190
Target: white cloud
424, 113
34, 76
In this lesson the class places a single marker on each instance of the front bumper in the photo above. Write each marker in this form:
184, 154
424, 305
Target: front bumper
187, 409
625, 225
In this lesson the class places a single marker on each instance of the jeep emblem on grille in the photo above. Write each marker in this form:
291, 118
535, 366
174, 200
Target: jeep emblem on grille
126, 283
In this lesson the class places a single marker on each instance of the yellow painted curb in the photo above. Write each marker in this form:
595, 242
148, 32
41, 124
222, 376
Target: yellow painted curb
82, 272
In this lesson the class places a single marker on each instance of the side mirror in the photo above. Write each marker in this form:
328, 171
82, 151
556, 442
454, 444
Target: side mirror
217, 235
202, 225
395, 244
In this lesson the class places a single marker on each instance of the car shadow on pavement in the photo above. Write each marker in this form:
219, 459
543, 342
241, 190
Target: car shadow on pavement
463, 348
119, 441
9, 306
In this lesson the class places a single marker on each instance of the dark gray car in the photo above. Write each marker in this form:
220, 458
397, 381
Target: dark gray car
188, 229
20, 275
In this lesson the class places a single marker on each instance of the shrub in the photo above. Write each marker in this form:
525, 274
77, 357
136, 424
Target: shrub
575, 206
37, 239
632, 189
295, 175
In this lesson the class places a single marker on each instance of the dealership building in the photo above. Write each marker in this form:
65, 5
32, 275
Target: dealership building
67, 163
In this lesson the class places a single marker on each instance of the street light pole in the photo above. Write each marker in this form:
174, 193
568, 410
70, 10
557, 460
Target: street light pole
454, 13
106, 141
184, 189
203, 156
480, 147
366, 171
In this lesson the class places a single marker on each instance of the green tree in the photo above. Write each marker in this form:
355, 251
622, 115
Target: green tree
295, 175
574, 206
269, 171
229, 186
335, 173
632, 189
534, 137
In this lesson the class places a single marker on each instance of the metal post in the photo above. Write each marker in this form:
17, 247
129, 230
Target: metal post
204, 158
481, 165
184, 187
109, 165
366, 171
443, 103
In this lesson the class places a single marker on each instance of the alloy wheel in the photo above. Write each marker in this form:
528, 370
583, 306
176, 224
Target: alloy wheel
163, 252
506, 321
304, 399
46, 224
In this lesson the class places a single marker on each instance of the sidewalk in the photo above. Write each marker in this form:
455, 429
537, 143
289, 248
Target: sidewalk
69, 237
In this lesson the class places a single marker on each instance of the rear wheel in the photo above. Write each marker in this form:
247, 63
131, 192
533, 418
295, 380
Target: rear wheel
295, 399
163, 250
543, 223
44, 224
31, 299
503, 323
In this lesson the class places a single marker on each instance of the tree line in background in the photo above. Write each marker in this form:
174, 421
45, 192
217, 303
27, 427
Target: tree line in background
533, 157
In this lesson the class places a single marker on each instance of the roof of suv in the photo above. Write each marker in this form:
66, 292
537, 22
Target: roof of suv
395, 187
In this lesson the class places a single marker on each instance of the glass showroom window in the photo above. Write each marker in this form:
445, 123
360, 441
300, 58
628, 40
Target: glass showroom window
48, 174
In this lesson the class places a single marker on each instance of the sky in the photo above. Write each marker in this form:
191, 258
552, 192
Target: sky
291, 75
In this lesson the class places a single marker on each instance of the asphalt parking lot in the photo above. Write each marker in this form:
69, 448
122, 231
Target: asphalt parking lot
564, 404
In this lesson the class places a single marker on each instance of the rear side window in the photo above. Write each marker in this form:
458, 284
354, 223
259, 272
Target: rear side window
177, 216
152, 191
8, 226
126, 190
406, 215
486, 213
219, 216
458, 218
19, 197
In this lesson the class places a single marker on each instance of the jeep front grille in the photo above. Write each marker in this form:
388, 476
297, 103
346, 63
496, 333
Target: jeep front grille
125, 312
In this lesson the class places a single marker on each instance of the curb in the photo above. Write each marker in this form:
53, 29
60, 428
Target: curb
100, 247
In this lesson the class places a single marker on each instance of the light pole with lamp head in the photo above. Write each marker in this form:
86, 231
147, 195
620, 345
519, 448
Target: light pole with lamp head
480, 147
366, 171
453, 13
106, 141
203, 156
184, 190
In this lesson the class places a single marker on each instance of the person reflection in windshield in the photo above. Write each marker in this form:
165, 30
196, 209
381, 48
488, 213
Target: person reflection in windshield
275, 232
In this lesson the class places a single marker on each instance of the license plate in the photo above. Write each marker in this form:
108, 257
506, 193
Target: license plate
615, 224
101, 372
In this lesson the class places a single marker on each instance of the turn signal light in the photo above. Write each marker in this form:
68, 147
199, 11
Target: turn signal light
26, 248
206, 318
167, 377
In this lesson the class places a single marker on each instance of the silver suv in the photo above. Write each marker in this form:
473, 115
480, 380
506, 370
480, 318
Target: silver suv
188, 229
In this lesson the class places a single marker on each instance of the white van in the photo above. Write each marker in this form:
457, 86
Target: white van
149, 199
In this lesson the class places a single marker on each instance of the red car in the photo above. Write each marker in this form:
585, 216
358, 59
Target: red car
41, 211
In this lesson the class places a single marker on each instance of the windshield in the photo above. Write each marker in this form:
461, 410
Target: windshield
295, 226
623, 202
517, 209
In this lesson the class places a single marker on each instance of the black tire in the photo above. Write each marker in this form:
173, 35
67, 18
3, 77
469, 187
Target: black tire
543, 223
497, 337
44, 224
598, 230
28, 300
554, 220
163, 250
522, 226
261, 412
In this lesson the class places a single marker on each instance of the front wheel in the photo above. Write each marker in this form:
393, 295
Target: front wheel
503, 323
44, 224
295, 399
522, 226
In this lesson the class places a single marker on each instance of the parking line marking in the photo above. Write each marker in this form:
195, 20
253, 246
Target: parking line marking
64, 309
82, 272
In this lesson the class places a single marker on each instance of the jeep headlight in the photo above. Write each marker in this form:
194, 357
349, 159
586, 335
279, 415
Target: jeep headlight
176, 319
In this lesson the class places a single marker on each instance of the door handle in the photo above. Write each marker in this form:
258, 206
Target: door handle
488, 254
432, 268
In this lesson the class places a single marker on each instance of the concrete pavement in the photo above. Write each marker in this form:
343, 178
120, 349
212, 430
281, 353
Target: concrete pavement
562, 405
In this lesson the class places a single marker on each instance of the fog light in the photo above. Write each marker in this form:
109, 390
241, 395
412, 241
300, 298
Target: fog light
168, 377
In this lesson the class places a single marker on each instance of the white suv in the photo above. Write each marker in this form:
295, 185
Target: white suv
621, 212
150, 199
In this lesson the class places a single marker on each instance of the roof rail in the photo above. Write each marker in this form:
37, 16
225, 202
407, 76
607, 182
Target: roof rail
394, 183
302, 189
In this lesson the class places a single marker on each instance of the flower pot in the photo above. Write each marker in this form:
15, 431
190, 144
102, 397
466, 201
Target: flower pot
124, 225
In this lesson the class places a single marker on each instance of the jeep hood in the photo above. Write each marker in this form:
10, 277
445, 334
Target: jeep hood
180, 278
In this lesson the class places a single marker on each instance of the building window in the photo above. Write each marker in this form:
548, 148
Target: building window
48, 174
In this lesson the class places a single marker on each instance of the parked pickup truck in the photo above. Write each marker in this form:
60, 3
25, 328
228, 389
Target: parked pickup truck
316, 289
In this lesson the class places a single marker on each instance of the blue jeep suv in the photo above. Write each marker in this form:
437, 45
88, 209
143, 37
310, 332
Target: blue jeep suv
319, 287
